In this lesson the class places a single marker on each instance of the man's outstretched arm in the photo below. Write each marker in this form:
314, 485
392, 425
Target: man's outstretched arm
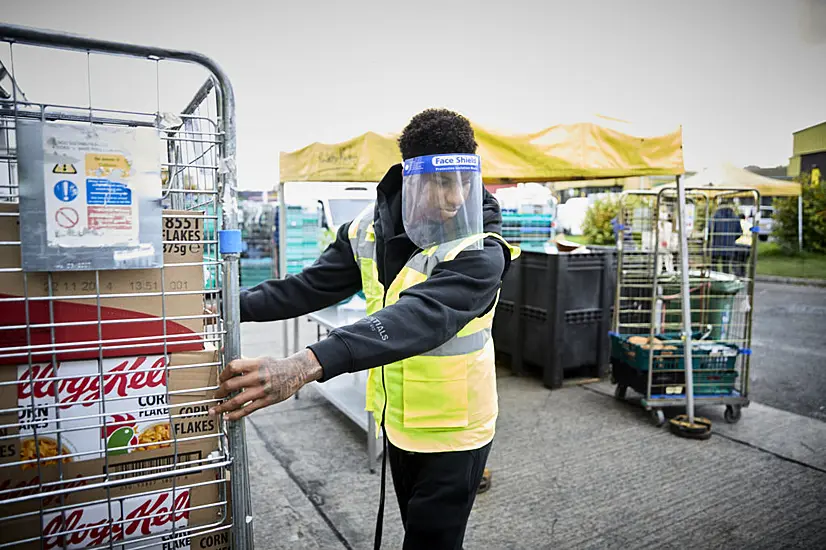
332, 278
426, 316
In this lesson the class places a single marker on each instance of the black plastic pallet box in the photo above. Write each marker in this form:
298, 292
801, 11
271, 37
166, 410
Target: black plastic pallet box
554, 313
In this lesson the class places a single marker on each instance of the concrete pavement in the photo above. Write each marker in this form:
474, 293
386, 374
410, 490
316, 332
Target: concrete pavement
573, 468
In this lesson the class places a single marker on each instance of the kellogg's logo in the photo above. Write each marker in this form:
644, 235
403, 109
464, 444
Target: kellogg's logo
91, 525
40, 381
33, 487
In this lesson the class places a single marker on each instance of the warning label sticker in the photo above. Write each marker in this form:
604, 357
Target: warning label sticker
67, 217
107, 165
65, 191
64, 169
94, 183
105, 192
101, 217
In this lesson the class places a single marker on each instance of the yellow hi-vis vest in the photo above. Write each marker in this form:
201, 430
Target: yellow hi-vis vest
445, 399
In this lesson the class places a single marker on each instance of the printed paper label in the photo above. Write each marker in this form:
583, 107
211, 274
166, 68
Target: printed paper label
94, 176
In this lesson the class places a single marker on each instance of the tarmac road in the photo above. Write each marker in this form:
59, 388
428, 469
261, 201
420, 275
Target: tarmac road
789, 344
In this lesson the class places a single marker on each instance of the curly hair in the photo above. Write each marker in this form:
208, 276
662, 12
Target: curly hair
437, 131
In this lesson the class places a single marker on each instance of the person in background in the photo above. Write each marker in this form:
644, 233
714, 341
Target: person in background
725, 229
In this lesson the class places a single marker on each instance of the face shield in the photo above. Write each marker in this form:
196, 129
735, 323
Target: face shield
442, 199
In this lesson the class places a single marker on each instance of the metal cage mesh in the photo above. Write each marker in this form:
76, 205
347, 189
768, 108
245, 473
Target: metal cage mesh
105, 440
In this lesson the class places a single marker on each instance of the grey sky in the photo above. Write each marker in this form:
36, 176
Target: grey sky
739, 75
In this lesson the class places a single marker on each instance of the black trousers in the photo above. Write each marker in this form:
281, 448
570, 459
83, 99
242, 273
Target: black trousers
436, 493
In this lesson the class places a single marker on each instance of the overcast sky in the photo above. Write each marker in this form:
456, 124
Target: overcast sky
739, 75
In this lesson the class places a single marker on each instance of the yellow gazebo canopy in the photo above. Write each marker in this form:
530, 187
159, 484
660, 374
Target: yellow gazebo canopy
729, 176
559, 153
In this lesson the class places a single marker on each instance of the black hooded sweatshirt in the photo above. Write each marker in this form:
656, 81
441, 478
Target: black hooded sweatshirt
426, 315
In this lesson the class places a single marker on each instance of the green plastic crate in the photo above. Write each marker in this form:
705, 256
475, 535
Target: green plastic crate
715, 382
721, 357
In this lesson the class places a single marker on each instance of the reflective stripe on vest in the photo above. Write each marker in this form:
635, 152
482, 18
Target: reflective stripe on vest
444, 399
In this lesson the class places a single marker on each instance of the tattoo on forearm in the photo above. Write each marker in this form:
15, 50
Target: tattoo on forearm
282, 378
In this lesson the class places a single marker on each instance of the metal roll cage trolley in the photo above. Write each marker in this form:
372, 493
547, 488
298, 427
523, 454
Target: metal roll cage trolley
192, 489
684, 301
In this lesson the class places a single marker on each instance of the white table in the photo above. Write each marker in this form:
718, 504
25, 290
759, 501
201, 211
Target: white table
347, 392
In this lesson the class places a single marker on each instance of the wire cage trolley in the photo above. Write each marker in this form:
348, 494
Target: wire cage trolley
647, 348
107, 371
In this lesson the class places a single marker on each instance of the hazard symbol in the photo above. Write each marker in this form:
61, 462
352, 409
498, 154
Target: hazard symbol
64, 169
67, 217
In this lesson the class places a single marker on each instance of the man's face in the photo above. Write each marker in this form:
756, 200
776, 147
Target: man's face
447, 195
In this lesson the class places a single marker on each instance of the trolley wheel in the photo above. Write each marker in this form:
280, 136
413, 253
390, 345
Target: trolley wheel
619, 393
657, 417
732, 414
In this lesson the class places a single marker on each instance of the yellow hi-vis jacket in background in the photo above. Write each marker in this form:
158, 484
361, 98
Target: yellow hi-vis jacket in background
445, 399
745, 238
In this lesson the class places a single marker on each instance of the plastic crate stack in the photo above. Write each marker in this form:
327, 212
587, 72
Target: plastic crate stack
303, 234
526, 228
211, 255
258, 221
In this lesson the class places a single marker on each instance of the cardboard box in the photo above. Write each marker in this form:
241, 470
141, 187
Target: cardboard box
136, 517
139, 328
145, 404
81, 518
81, 480
133, 518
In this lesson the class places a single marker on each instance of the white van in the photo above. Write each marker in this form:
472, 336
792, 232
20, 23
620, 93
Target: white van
336, 202
337, 210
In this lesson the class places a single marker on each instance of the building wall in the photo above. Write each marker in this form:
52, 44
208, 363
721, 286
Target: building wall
808, 148
810, 140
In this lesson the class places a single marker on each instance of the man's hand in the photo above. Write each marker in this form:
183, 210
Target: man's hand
263, 381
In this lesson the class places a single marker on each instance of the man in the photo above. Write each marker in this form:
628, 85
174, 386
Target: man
429, 259
725, 229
